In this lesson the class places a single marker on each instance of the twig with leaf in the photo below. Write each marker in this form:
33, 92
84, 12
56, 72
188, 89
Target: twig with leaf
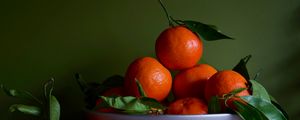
46, 109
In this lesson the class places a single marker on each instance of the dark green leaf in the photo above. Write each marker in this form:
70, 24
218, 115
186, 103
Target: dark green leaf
241, 67
236, 91
48, 88
140, 88
31, 110
54, 108
265, 107
151, 103
207, 32
273, 99
170, 97
94, 90
214, 105
132, 105
19, 94
278, 106
114, 81
247, 112
81, 82
259, 91
281, 109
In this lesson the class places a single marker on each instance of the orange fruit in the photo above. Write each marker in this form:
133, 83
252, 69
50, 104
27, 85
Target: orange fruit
154, 78
191, 82
223, 82
178, 48
187, 106
115, 91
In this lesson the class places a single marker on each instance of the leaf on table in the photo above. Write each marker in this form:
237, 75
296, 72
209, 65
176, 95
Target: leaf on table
54, 108
26, 109
19, 94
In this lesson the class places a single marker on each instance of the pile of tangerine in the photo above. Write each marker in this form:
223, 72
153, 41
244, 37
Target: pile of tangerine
179, 49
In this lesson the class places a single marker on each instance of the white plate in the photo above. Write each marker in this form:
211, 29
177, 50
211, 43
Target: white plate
113, 116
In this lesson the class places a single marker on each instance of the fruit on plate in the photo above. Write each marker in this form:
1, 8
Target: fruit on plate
155, 79
191, 82
187, 106
178, 48
224, 82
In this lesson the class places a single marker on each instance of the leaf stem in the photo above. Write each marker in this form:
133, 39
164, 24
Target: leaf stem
166, 12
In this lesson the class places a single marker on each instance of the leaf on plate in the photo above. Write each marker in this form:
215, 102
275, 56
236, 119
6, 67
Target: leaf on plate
265, 107
247, 112
140, 88
81, 82
214, 105
241, 67
259, 91
26, 109
132, 105
207, 32
278, 106
236, 91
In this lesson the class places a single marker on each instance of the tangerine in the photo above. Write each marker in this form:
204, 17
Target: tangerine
154, 78
187, 106
178, 48
191, 82
223, 82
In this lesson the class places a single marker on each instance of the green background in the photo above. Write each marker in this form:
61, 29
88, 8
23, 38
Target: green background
43, 39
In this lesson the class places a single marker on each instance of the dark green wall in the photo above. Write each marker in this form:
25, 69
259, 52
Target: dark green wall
40, 39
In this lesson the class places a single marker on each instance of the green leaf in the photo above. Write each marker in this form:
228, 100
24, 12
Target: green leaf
132, 105
247, 112
92, 91
54, 108
26, 109
241, 67
48, 88
278, 106
151, 103
214, 105
170, 97
113, 81
19, 94
140, 88
267, 108
81, 82
259, 91
207, 32
236, 91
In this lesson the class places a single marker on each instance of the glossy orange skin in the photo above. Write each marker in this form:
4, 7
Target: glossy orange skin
224, 82
178, 48
191, 82
155, 79
188, 106
116, 91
